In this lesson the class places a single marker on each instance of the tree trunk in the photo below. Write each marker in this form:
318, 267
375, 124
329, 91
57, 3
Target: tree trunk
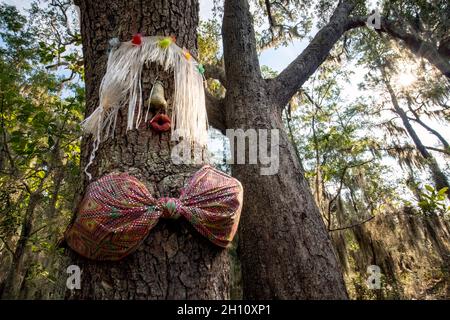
439, 178
174, 262
285, 251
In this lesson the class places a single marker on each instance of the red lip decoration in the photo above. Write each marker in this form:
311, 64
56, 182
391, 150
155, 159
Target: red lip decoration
160, 123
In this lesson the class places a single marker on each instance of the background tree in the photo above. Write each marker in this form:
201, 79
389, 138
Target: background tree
388, 68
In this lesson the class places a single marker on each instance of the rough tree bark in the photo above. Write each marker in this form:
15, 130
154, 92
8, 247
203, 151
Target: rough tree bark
285, 249
174, 262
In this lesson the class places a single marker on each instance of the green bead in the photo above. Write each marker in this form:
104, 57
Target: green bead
165, 43
201, 68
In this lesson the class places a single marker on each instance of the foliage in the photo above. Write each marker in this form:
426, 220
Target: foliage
208, 42
341, 157
432, 201
39, 157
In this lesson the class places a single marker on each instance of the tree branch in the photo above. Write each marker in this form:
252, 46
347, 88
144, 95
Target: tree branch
353, 225
406, 147
292, 78
414, 43
447, 152
424, 125
269, 16
341, 184
239, 45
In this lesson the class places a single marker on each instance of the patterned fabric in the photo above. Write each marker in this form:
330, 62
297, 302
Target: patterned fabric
118, 212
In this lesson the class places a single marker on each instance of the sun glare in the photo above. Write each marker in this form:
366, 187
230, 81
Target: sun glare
406, 79
406, 75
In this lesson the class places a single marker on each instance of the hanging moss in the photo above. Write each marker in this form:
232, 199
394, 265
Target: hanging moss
412, 252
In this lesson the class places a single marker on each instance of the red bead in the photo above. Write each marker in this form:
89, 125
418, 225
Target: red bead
137, 39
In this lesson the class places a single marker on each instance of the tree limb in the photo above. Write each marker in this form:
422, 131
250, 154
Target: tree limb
414, 43
341, 184
270, 17
353, 225
239, 45
447, 152
295, 74
424, 125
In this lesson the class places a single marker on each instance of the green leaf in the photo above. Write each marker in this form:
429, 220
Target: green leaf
443, 191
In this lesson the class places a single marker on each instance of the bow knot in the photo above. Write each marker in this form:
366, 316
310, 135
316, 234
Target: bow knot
170, 207
118, 212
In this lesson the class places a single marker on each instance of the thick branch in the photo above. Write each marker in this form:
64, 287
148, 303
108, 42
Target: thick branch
292, 78
431, 130
418, 46
424, 125
216, 112
239, 44
269, 15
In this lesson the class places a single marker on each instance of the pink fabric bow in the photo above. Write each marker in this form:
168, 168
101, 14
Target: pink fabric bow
118, 212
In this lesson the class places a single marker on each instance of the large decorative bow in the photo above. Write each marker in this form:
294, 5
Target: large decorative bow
118, 212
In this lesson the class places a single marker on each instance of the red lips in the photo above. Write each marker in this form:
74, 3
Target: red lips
160, 123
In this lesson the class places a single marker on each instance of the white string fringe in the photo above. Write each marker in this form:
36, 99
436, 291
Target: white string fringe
122, 81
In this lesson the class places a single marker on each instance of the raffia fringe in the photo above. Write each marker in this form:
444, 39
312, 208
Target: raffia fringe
121, 85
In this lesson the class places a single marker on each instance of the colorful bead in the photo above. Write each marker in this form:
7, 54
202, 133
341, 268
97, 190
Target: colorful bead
165, 42
137, 39
201, 68
114, 43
